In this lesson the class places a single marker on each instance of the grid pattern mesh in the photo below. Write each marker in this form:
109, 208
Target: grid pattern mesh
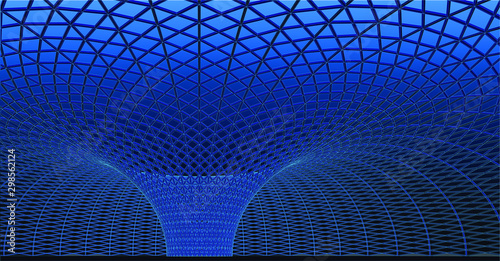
372, 126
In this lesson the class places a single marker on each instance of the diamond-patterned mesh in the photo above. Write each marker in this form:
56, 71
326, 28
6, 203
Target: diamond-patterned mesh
257, 127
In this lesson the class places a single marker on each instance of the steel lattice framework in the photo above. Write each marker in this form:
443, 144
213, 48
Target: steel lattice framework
215, 128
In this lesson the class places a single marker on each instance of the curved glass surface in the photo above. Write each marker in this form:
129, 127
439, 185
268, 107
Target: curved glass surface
218, 128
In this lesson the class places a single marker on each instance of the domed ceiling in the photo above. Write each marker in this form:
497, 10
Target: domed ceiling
219, 128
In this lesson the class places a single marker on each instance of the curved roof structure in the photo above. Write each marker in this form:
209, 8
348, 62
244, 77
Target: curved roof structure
216, 128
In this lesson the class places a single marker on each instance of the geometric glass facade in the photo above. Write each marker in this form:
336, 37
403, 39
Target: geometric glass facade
219, 128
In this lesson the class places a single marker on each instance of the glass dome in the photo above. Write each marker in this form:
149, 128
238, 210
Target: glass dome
219, 128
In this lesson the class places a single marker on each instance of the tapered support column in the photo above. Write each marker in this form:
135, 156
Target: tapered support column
199, 215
